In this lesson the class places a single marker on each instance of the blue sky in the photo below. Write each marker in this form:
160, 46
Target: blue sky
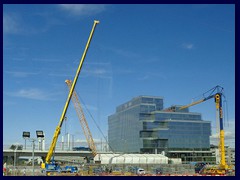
174, 51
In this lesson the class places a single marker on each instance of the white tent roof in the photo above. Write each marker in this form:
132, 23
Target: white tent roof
132, 159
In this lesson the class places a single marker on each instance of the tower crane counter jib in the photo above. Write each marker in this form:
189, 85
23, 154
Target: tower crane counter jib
49, 156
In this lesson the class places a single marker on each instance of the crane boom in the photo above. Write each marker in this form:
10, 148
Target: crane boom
82, 120
196, 102
58, 128
219, 89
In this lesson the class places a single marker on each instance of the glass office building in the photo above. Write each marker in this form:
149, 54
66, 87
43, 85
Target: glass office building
142, 125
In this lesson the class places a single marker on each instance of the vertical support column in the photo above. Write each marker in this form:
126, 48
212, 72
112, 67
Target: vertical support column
33, 144
62, 143
39, 144
68, 141
72, 140
14, 162
25, 143
43, 144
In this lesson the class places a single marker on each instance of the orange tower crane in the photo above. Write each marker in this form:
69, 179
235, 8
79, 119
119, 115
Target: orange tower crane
82, 119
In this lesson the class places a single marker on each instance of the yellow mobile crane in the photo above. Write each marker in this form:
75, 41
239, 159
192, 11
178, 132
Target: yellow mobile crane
48, 165
217, 94
82, 119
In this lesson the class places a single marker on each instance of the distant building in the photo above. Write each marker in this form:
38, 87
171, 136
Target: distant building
229, 154
142, 125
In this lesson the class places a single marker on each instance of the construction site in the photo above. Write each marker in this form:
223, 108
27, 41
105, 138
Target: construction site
162, 159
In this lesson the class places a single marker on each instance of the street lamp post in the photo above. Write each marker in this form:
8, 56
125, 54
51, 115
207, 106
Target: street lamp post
26, 135
33, 145
40, 136
15, 156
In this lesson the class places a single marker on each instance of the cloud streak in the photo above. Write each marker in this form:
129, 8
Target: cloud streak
148, 76
188, 46
99, 70
10, 24
229, 135
82, 9
96, 72
121, 52
14, 23
20, 74
31, 93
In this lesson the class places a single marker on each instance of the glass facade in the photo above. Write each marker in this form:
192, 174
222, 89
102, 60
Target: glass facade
142, 125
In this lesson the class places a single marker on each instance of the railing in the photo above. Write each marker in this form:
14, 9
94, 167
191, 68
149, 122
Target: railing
60, 146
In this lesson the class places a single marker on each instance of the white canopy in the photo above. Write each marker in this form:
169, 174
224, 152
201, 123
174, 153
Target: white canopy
132, 159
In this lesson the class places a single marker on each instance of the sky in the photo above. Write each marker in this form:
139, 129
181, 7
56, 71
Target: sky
177, 52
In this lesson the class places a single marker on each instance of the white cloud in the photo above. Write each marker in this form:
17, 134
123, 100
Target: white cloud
99, 70
20, 74
150, 75
83, 9
146, 77
31, 93
47, 60
90, 108
60, 75
121, 52
229, 135
10, 24
96, 72
14, 23
187, 46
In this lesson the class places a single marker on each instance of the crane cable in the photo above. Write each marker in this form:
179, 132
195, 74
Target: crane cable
95, 122
225, 109
225, 103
